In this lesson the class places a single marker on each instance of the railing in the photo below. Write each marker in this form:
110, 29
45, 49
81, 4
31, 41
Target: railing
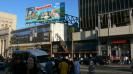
62, 43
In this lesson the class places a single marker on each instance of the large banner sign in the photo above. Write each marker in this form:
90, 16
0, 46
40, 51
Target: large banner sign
46, 13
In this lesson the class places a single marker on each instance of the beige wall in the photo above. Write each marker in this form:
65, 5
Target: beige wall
8, 20
7, 24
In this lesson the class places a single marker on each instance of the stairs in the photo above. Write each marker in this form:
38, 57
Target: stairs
62, 43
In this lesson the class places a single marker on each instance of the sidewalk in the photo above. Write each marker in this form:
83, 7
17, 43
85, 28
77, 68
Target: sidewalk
119, 67
111, 66
108, 69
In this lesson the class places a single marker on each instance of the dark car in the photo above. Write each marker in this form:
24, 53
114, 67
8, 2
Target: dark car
86, 60
101, 60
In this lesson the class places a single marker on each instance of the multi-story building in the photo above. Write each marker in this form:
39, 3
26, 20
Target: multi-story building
51, 37
7, 21
107, 28
7, 24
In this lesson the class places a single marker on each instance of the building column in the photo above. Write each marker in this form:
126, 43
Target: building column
108, 39
131, 31
131, 21
3, 47
131, 46
98, 36
0, 46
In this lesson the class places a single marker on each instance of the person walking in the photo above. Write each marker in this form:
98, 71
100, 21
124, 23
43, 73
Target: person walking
131, 66
8, 66
91, 68
49, 67
63, 67
76, 67
71, 67
30, 65
55, 67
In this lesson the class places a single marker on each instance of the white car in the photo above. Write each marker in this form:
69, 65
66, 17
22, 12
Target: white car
41, 57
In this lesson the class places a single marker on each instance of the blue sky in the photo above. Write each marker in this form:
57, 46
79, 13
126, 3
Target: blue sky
18, 7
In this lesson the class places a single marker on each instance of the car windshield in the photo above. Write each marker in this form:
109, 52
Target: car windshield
42, 59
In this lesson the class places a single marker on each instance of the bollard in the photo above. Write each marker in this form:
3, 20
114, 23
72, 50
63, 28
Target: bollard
91, 68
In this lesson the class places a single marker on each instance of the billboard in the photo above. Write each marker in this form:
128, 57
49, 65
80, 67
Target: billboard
46, 13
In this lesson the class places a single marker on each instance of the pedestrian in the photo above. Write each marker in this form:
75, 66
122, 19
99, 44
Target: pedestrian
76, 66
71, 67
8, 66
30, 65
63, 66
126, 60
49, 66
131, 66
16, 66
55, 67
91, 68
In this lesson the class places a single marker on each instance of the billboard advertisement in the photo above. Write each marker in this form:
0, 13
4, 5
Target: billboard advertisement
46, 13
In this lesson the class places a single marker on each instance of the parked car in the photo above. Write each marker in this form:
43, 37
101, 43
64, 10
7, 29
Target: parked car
101, 60
85, 61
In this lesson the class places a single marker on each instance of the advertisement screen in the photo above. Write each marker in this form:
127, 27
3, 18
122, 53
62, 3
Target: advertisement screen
46, 13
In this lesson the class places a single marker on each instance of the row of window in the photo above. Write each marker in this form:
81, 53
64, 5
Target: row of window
90, 9
41, 37
31, 31
117, 19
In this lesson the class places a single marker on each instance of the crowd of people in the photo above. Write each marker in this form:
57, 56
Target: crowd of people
18, 65
63, 66
52, 66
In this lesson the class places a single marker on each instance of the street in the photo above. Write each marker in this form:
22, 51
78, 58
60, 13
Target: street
107, 69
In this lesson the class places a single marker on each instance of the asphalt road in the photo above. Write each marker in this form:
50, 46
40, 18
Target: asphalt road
109, 69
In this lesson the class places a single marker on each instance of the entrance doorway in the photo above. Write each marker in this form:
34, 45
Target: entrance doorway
119, 51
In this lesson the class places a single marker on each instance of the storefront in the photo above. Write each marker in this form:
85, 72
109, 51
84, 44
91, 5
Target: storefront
85, 48
120, 48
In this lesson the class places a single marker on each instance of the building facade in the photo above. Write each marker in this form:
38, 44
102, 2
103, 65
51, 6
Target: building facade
7, 24
7, 21
48, 36
106, 28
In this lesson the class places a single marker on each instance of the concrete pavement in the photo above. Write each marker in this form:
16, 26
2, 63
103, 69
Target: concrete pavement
107, 69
